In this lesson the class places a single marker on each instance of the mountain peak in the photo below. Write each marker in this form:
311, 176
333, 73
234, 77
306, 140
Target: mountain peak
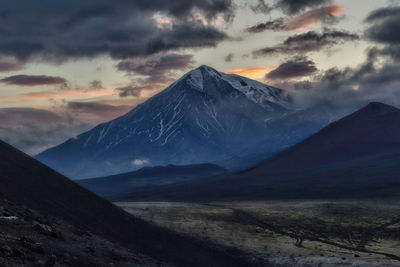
204, 116
196, 76
205, 67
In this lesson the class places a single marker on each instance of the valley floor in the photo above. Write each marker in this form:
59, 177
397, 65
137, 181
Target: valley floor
317, 233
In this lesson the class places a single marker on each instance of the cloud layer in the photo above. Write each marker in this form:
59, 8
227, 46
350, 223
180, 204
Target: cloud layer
59, 30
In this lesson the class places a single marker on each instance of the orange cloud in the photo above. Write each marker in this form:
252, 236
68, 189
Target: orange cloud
313, 17
256, 72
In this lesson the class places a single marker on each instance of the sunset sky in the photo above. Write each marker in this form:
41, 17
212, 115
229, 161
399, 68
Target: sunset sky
66, 66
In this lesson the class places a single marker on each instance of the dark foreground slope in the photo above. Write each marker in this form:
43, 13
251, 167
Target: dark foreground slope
29, 238
355, 157
112, 187
25, 181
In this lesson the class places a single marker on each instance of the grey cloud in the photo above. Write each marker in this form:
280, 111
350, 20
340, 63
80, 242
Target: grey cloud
383, 13
295, 68
132, 90
96, 84
32, 80
156, 70
261, 7
385, 26
7, 65
273, 25
308, 42
229, 57
95, 107
157, 66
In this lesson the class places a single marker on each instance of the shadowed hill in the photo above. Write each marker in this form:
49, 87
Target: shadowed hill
112, 187
372, 130
27, 182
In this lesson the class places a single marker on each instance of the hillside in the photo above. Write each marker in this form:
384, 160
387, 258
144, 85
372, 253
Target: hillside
26, 182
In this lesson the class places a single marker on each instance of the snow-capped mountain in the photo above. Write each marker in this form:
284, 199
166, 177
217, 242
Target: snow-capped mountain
204, 116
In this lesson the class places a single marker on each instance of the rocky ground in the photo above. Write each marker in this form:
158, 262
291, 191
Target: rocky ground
289, 233
28, 238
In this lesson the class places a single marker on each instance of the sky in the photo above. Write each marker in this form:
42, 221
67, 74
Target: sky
66, 66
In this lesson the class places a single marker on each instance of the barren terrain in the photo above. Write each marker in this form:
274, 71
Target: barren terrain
318, 233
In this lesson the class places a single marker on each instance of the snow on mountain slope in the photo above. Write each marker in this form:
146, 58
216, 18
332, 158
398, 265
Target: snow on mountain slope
204, 116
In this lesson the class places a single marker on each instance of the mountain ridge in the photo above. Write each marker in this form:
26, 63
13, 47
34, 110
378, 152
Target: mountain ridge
115, 186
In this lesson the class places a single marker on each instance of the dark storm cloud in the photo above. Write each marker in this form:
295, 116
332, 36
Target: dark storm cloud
391, 52
155, 70
295, 68
383, 13
59, 30
383, 30
308, 42
32, 80
385, 26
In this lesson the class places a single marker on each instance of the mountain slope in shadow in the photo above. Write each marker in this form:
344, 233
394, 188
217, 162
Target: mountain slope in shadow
371, 131
27, 182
